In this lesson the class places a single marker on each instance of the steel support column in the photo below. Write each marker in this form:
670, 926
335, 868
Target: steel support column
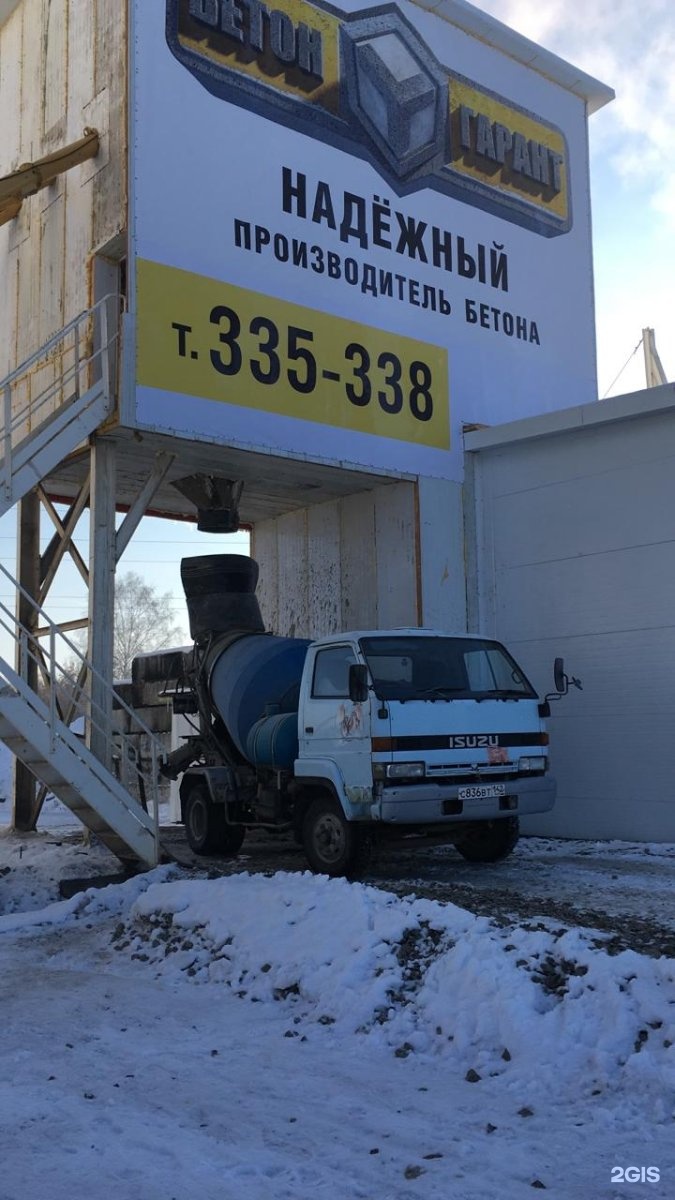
28, 575
101, 596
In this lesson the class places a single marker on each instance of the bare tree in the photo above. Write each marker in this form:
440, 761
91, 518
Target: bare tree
143, 621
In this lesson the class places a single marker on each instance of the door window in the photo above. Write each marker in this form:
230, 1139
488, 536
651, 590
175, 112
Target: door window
331, 673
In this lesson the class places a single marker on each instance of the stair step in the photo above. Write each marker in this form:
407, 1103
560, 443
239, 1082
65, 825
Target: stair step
66, 767
85, 806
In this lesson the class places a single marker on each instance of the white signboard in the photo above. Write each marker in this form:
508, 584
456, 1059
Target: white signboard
355, 230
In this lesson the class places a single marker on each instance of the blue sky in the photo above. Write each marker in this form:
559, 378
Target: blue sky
630, 45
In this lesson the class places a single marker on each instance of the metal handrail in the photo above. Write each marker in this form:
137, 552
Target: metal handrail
70, 739
60, 336
29, 650
86, 352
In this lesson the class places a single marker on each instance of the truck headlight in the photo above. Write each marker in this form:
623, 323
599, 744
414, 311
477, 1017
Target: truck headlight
405, 770
537, 763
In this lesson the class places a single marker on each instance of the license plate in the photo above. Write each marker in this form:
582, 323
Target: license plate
481, 791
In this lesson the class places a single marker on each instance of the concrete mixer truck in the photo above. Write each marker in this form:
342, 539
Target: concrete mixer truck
348, 739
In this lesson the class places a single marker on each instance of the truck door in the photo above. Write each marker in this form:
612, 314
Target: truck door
331, 726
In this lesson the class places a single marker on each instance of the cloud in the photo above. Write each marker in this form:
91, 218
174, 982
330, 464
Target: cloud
629, 44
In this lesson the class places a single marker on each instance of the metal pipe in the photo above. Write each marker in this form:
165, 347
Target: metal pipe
52, 689
7, 464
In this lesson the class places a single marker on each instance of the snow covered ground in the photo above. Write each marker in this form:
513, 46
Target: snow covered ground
610, 877
284, 1037
54, 814
294, 1038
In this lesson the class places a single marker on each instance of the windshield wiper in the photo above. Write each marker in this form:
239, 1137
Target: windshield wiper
513, 694
502, 694
439, 691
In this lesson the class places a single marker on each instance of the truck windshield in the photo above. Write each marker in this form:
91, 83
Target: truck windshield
443, 668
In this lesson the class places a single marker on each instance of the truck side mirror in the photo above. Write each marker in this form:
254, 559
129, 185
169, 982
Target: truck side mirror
561, 682
358, 683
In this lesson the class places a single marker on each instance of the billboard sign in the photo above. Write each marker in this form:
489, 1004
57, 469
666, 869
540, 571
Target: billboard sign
355, 220
367, 80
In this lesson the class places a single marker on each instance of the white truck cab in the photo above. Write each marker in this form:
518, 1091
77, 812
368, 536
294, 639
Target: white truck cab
419, 728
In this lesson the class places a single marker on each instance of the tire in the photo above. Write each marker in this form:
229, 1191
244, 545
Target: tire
333, 845
232, 839
490, 841
206, 828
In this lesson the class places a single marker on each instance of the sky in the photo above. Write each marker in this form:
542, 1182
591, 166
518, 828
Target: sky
296, 1038
630, 46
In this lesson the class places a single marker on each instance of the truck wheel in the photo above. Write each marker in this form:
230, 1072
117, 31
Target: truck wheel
490, 841
232, 839
205, 826
333, 845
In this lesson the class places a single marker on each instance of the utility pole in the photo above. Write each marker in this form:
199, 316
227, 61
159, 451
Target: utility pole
653, 367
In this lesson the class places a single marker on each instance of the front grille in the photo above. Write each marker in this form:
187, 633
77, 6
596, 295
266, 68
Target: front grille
447, 774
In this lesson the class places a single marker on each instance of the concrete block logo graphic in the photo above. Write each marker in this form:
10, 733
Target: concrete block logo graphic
368, 84
396, 90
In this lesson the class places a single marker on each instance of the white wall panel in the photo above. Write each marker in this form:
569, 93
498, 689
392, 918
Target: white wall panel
292, 573
441, 556
265, 552
324, 575
619, 590
569, 526
358, 561
346, 564
575, 555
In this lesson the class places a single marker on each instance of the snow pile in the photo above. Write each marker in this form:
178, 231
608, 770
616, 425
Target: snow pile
415, 976
109, 901
32, 864
396, 1047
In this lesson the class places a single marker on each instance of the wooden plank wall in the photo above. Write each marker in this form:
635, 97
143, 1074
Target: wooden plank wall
62, 68
345, 564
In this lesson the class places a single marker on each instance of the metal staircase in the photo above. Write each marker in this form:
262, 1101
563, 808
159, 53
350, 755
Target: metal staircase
54, 400
39, 730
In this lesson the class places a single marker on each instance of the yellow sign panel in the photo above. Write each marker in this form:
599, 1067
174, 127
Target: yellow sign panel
297, 68
201, 337
505, 148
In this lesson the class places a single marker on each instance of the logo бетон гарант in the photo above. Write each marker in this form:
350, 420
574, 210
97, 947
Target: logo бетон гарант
367, 83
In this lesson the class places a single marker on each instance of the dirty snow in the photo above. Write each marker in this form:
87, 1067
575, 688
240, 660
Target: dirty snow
54, 814
587, 872
294, 1038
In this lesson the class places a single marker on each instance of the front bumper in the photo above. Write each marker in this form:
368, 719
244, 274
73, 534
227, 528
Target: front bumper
423, 803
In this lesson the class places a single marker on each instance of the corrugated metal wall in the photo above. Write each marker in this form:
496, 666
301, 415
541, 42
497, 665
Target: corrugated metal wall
574, 547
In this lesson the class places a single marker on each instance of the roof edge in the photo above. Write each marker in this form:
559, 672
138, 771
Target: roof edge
488, 29
630, 405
